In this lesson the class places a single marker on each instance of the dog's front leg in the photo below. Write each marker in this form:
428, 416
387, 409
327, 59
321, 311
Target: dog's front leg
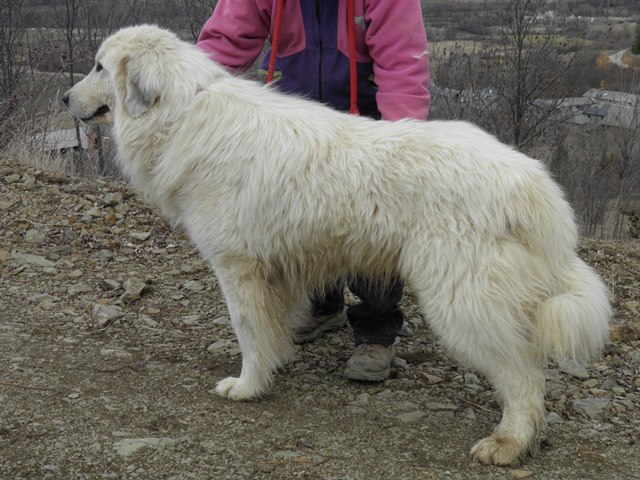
259, 310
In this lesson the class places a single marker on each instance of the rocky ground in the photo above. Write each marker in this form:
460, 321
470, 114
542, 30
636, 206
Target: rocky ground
113, 334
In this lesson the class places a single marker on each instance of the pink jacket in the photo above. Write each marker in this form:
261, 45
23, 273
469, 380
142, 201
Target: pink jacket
391, 50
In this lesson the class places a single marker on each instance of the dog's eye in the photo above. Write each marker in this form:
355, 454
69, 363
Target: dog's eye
98, 67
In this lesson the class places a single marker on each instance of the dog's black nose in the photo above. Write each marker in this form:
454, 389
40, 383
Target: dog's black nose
65, 99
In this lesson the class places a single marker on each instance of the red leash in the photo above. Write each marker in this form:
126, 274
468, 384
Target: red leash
353, 73
274, 41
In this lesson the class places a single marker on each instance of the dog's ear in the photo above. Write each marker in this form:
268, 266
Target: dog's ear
140, 89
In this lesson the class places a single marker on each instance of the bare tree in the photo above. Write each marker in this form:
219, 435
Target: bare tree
531, 64
69, 15
12, 34
512, 85
103, 17
599, 168
188, 16
623, 135
83, 25
635, 47
588, 177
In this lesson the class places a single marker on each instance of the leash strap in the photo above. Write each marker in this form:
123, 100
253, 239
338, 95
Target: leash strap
274, 41
353, 73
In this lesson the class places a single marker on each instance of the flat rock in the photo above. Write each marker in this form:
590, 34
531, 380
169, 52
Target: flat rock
133, 289
471, 378
573, 368
191, 320
112, 198
521, 473
129, 446
440, 407
223, 346
298, 457
13, 178
35, 236
148, 321
94, 212
79, 288
592, 407
29, 259
105, 255
591, 383
103, 315
432, 379
193, 286
362, 399
221, 321
75, 273
410, 417
114, 353
7, 204
554, 419
140, 236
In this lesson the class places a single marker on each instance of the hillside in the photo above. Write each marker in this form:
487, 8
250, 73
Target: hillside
113, 333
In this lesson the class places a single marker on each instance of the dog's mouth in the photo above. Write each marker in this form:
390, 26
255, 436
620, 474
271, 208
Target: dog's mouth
103, 110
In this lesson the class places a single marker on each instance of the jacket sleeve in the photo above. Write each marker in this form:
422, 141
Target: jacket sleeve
397, 44
235, 33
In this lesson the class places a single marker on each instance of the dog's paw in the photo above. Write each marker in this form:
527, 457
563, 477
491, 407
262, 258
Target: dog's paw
499, 450
236, 389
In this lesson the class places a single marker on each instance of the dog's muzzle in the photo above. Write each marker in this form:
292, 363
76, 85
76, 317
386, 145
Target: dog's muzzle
103, 110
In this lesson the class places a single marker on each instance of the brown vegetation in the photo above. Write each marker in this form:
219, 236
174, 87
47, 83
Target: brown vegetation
504, 64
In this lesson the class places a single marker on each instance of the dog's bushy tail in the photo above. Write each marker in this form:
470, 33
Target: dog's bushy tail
575, 323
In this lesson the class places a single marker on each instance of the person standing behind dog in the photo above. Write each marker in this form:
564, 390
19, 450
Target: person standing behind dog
388, 80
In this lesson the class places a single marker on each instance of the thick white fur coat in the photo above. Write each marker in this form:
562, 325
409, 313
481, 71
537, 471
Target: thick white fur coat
283, 195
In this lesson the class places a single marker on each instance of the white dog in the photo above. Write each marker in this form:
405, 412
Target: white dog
283, 195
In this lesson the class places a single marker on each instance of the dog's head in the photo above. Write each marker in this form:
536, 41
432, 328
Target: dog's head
91, 100
134, 69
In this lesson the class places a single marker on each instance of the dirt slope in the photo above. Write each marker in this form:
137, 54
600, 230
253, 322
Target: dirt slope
113, 334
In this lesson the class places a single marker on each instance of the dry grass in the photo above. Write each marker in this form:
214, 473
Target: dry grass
32, 155
462, 46
630, 61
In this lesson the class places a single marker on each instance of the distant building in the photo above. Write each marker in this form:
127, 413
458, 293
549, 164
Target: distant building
609, 96
613, 109
60, 140
601, 108
66, 139
622, 116
597, 111
594, 108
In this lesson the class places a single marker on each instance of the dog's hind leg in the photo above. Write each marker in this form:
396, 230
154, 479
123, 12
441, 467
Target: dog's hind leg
490, 339
521, 391
259, 313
